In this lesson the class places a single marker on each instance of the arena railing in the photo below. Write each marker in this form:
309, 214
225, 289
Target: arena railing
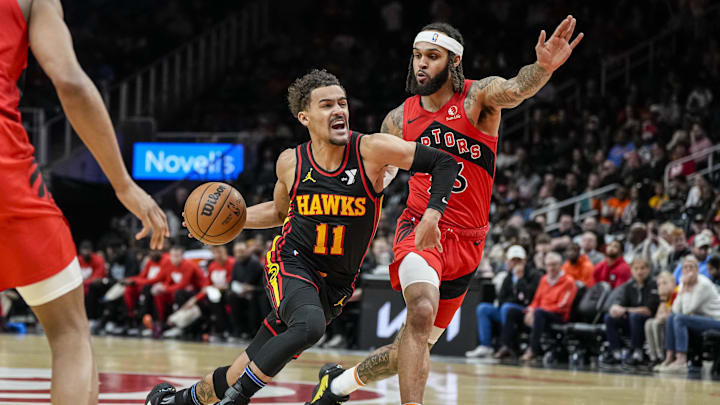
577, 202
165, 84
706, 154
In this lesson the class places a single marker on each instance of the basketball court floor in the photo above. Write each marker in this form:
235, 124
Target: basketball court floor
129, 368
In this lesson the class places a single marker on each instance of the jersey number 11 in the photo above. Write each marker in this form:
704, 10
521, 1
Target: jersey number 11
338, 240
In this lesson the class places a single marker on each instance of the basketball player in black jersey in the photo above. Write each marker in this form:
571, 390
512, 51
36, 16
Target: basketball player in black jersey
327, 198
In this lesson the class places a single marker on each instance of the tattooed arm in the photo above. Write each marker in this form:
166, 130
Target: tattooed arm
393, 122
551, 54
495, 91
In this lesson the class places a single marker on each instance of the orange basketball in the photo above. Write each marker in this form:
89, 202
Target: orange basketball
215, 213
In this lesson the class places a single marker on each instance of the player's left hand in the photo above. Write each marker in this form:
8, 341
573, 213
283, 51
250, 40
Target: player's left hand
553, 53
137, 201
427, 233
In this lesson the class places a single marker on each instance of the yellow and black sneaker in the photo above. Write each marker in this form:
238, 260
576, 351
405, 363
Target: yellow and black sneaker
162, 393
322, 394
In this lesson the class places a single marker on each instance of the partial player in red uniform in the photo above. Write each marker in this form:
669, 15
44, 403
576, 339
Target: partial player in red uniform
37, 253
92, 265
462, 118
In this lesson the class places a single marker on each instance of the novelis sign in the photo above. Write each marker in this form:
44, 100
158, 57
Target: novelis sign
193, 161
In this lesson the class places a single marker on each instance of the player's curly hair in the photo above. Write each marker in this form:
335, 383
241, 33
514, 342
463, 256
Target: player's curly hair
299, 92
456, 72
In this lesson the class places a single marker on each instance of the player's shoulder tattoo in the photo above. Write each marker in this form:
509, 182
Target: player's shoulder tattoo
477, 87
393, 122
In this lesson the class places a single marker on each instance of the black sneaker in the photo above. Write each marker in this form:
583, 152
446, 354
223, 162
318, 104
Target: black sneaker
610, 360
322, 394
160, 392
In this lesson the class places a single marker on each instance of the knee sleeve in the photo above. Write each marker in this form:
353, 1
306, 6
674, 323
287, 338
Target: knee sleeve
220, 384
307, 325
414, 269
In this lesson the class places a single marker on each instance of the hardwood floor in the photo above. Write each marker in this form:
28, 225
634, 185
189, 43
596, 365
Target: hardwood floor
130, 367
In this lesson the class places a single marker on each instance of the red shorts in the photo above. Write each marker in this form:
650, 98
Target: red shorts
462, 253
35, 239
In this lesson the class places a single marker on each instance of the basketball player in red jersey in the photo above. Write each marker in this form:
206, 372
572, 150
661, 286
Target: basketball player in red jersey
37, 253
461, 117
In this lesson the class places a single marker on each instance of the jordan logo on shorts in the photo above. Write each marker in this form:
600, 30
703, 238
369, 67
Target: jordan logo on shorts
341, 302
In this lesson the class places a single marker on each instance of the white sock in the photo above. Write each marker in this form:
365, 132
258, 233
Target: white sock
346, 383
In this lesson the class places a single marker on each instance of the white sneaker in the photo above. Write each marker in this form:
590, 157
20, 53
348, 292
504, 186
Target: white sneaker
335, 342
172, 333
480, 351
674, 368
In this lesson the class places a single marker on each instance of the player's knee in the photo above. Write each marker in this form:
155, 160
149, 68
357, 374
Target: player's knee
420, 315
312, 325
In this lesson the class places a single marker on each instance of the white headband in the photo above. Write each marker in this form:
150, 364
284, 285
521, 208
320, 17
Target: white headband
441, 39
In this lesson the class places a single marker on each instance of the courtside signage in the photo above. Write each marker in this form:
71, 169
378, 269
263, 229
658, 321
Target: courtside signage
192, 161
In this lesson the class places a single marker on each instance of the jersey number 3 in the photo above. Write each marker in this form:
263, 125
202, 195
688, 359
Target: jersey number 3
337, 248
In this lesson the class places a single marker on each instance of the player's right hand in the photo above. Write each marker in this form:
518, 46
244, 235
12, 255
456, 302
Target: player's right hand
153, 219
427, 233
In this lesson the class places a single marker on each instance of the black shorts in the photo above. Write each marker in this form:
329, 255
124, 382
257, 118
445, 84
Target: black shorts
288, 275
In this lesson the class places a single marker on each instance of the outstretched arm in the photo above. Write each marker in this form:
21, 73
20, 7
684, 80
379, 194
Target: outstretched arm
272, 213
497, 92
52, 46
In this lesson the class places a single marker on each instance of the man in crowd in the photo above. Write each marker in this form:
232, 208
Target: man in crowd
578, 266
637, 302
613, 269
588, 245
516, 293
701, 247
248, 302
551, 304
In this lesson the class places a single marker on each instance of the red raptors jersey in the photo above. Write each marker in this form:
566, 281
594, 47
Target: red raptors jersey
449, 130
22, 192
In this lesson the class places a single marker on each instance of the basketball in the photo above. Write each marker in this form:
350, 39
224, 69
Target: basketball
215, 213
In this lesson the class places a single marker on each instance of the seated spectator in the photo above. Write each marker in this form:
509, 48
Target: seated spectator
638, 244
680, 248
701, 247
696, 308
551, 304
713, 268
637, 301
613, 207
655, 327
92, 266
562, 236
516, 292
664, 242
213, 297
248, 303
140, 285
659, 197
578, 266
542, 247
588, 245
180, 281
613, 269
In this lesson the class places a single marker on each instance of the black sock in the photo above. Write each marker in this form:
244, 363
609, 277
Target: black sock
250, 383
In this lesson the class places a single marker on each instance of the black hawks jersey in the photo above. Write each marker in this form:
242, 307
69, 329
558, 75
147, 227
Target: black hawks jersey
332, 217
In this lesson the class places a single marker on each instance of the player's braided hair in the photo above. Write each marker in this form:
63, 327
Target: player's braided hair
456, 72
299, 92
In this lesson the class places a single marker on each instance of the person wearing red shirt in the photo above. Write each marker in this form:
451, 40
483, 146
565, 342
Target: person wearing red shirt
578, 266
178, 284
613, 269
136, 285
213, 293
92, 266
551, 304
